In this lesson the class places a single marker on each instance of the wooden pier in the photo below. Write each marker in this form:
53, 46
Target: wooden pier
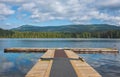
76, 50
62, 62
82, 68
45, 67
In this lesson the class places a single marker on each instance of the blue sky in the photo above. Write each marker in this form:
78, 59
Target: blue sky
14, 13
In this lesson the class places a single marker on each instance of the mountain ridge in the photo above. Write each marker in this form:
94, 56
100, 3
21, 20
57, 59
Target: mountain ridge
67, 28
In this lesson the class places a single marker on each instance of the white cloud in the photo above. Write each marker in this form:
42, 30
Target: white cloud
14, 1
27, 6
77, 11
5, 11
108, 3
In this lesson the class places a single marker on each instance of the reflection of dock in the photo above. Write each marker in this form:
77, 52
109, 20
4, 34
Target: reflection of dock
62, 62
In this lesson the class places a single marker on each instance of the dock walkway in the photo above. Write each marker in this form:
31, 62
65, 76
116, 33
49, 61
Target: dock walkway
61, 63
61, 66
82, 68
43, 67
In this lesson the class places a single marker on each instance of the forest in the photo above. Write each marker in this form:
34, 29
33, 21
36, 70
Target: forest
17, 34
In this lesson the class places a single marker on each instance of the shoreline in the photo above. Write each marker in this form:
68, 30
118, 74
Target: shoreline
60, 38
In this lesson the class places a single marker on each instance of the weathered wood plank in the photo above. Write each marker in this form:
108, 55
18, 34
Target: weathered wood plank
82, 68
71, 54
49, 69
76, 50
14, 50
43, 66
95, 50
49, 54
40, 69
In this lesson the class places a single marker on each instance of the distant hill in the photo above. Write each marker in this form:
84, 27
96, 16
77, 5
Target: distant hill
5, 33
68, 28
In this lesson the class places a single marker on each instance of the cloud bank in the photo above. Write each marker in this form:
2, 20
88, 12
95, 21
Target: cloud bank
76, 11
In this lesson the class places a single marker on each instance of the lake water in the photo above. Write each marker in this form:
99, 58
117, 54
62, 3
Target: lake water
18, 64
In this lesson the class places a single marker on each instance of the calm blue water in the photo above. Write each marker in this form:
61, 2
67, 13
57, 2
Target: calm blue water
18, 64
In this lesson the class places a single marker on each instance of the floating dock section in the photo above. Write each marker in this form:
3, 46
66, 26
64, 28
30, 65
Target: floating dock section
43, 67
76, 50
61, 63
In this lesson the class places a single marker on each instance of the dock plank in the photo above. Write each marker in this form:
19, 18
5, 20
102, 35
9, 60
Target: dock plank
49, 69
19, 50
76, 50
82, 68
49, 54
94, 50
43, 66
40, 69
71, 54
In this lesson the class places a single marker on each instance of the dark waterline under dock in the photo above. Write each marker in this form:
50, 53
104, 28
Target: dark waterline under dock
63, 62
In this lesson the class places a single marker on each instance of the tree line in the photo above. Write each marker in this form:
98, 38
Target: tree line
17, 34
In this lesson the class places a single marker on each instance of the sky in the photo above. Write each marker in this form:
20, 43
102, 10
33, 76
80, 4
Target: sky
14, 13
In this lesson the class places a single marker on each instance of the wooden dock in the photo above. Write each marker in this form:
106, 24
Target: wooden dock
82, 68
76, 50
56, 63
42, 67
95, 50
62, 62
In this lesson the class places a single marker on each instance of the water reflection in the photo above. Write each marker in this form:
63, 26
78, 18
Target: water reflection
18, 64
108, 65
